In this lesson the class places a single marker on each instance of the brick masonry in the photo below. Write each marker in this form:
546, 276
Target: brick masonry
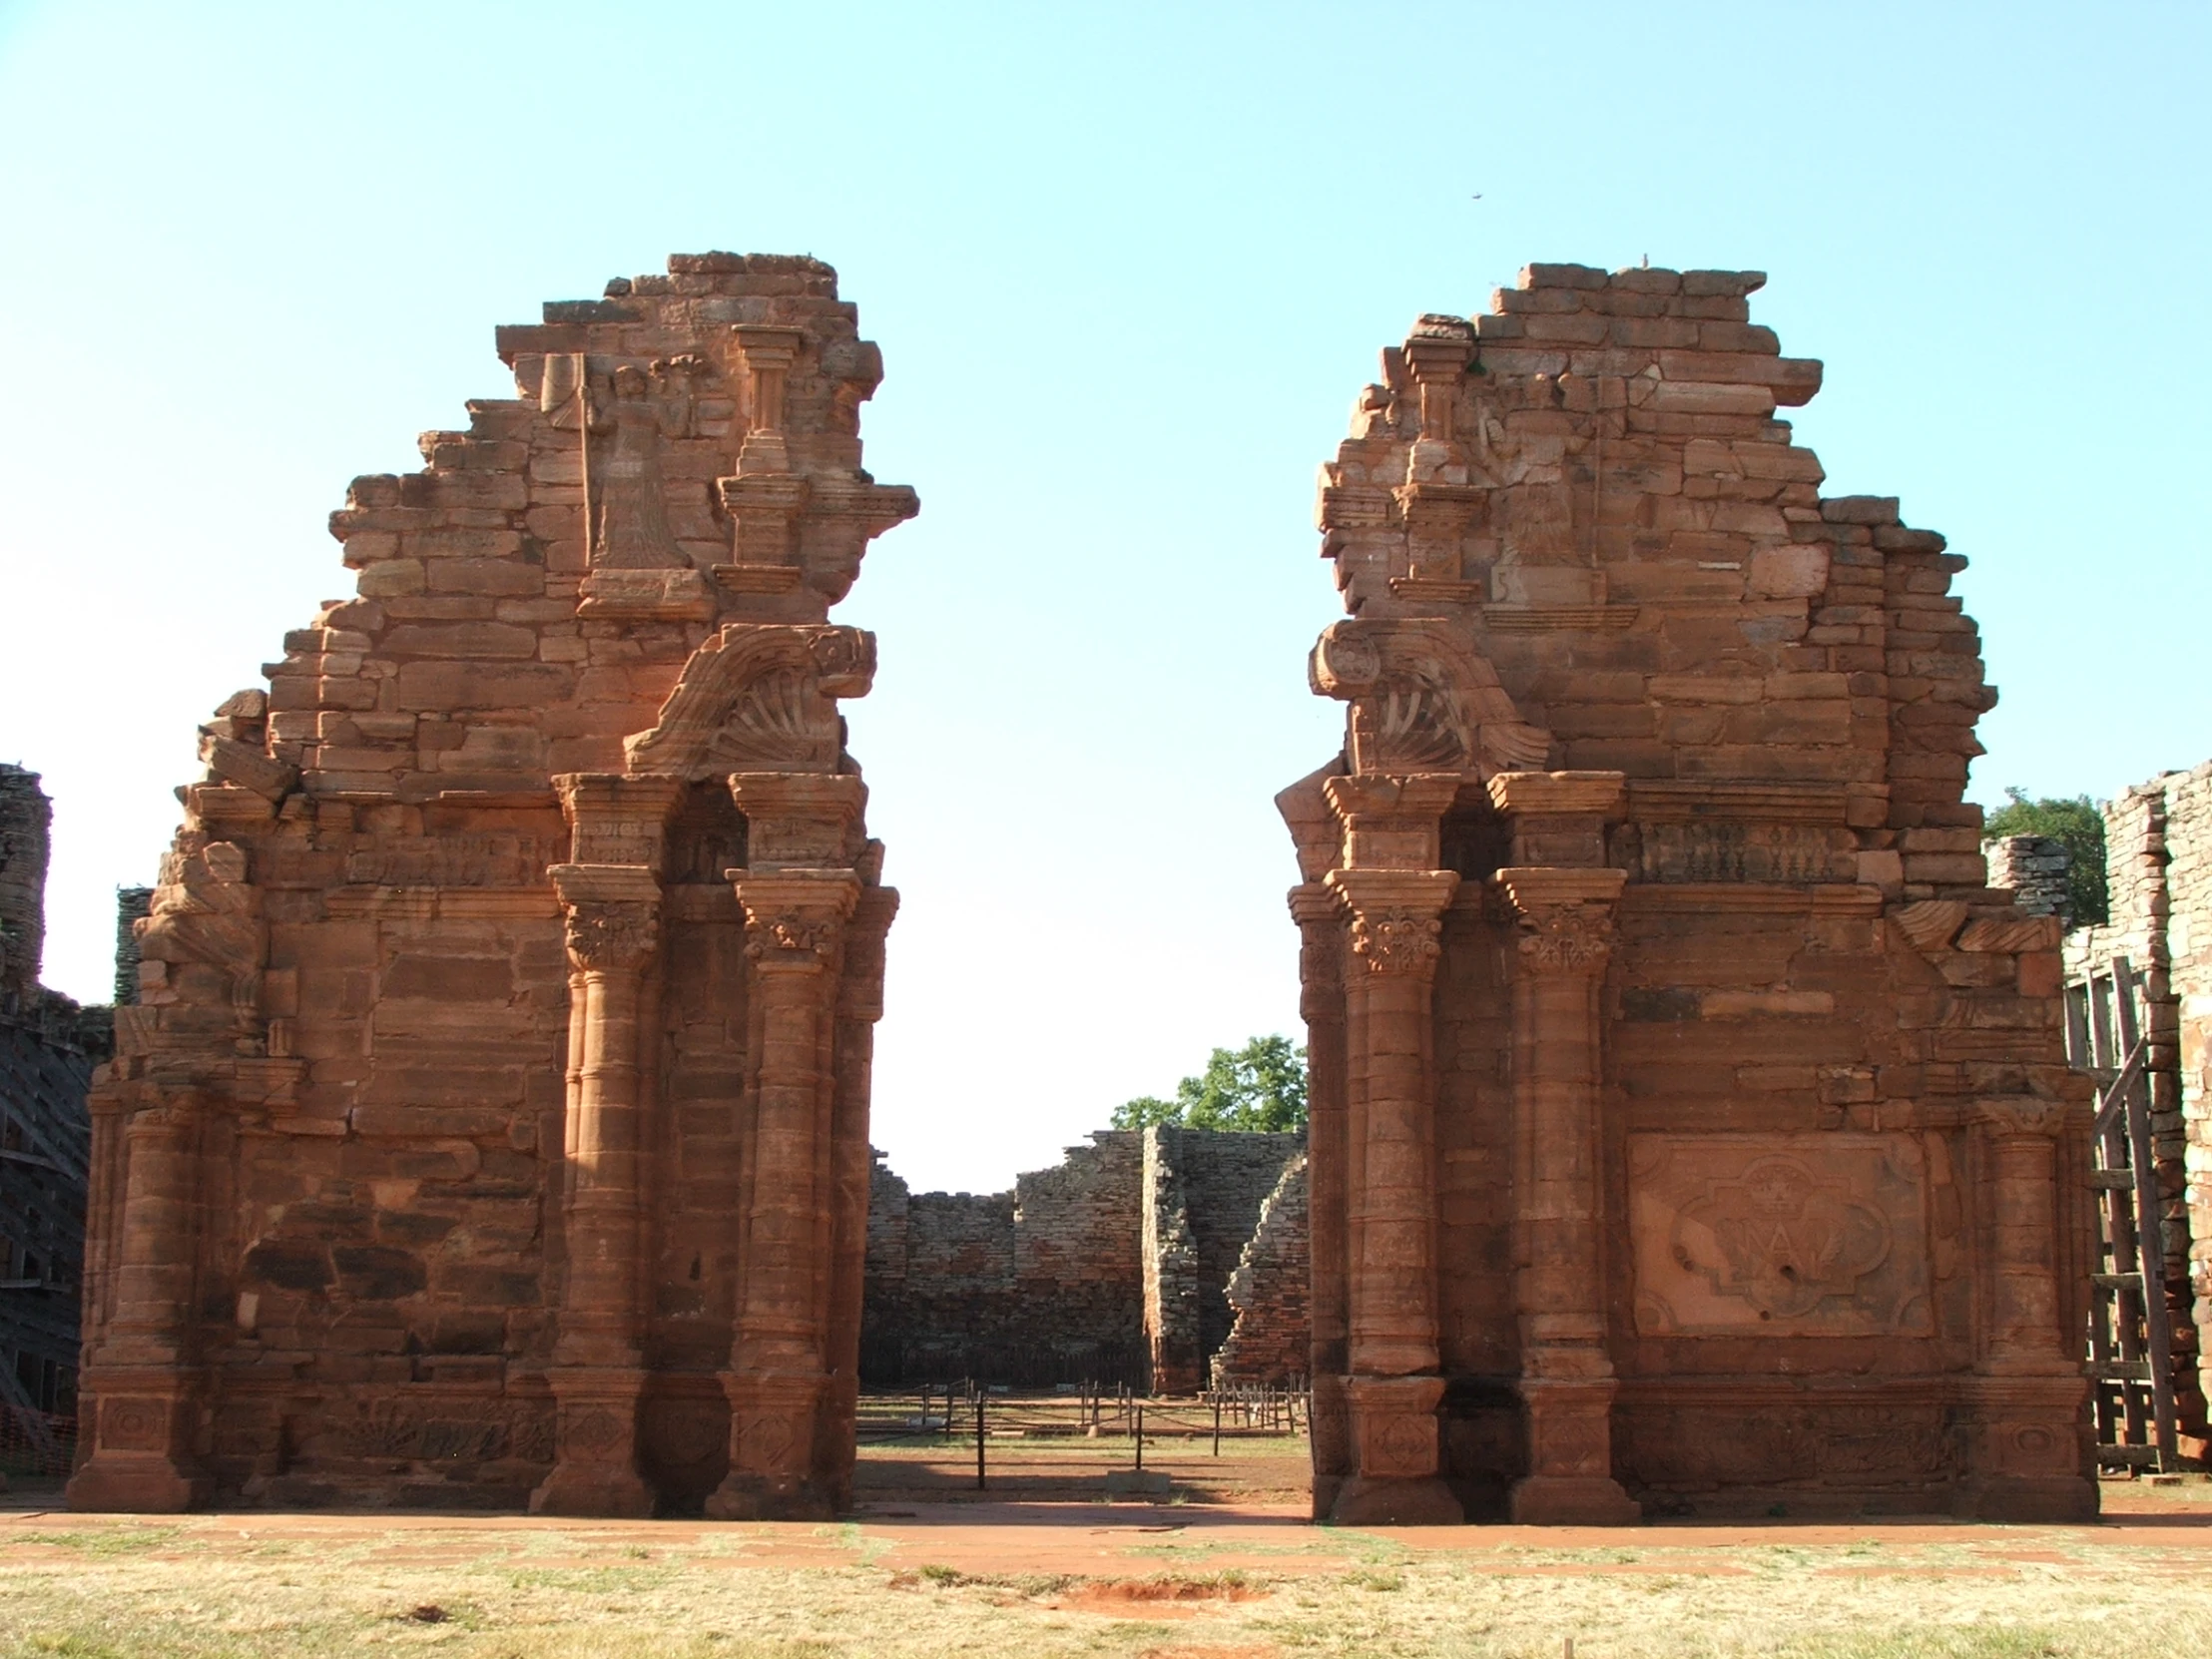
1691, 1129
492, 1124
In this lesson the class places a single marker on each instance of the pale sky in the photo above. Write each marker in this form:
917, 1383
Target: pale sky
1129, 266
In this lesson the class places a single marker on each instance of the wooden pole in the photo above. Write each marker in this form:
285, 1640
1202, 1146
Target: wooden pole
1140, 1434
979, 1440
1217, 1425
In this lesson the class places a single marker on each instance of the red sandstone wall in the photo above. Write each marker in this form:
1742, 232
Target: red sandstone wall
493, 1123
1644, 902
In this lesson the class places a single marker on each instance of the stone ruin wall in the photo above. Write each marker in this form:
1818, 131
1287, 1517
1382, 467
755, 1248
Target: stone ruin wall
491, 1126
2158, 868
1205, 1191
1036, 1285
1110, 1268
1270, 1340
1646, 940
48, 1048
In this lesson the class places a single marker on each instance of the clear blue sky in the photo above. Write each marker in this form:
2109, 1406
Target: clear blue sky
1129, 266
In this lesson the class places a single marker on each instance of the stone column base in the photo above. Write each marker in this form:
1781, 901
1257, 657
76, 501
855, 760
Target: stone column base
595, 1471
2028, 1451
772, 1447
1571, 1501
134, 1483
1570, 1457
1394, 1445
141, 1460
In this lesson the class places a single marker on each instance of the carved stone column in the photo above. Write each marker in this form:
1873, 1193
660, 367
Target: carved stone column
2026, 1455
1320, 927
799, 894
598, 1374
1565, 906
141, 1377
1396, 898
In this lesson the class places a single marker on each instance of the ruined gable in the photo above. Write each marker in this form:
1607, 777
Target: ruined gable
493, 1123
1688, 1111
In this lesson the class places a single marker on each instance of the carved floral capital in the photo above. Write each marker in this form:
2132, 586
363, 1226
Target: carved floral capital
1569, 939
1397, 941
612, 936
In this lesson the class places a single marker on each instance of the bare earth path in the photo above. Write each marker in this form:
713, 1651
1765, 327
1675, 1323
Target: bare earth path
1177, 1580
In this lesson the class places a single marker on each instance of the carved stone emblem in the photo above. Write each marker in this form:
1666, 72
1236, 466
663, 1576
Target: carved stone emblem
1786, 1235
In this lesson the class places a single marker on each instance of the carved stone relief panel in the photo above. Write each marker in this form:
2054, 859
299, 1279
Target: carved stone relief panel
1706, 851
1780, 1235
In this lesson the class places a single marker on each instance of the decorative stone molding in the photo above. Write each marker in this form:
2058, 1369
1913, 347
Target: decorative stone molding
1422, 700
758, 696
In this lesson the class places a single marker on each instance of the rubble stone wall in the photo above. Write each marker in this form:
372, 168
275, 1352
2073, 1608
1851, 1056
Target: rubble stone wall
1086, 1272
2159, 865
2033, 869
48, 1049
1271, 1339
1205, 1191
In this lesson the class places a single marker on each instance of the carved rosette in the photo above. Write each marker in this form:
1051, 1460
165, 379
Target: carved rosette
612, 937
1567, 939
1398, 942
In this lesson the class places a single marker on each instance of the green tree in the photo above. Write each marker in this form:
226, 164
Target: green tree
1259, 1087
2077, 825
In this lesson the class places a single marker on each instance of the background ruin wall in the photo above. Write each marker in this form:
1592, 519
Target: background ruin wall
1110, 1268
2158, 871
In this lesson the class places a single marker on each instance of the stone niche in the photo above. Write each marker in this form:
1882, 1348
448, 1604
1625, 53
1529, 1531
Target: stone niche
1692, 1131
492, 1127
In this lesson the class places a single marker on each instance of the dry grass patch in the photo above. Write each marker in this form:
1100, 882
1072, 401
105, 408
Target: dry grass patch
219, 1587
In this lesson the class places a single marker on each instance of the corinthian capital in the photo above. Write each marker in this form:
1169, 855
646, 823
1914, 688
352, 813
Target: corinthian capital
1565, 916
1572, 939
608, 936
613, 915
1397, 915
796, 918
1396, 941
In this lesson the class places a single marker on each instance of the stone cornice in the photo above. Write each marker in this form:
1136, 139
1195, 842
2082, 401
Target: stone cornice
1529, 793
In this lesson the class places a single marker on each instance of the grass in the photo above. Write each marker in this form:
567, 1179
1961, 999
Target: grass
211, 1589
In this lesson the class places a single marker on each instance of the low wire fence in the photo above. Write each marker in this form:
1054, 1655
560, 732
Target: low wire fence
1098, 1428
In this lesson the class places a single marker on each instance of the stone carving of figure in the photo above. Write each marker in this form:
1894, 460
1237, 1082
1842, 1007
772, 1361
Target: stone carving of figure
630, 529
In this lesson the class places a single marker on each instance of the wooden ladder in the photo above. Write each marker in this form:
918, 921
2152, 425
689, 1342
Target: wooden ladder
2130, 1330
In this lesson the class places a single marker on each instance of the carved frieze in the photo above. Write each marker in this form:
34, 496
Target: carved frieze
1779, 1235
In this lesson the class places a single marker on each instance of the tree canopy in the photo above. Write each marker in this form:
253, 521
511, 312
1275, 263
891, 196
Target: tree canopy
2075, 824
1259, 1087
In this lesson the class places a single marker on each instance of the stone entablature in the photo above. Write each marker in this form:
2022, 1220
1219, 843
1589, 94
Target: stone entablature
493, 1124
1689, 1113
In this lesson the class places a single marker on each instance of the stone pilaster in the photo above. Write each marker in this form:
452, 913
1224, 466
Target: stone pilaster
1395, 897
1321, 928
613, 933
1565, 908
799, 894
139, 1373
2024, 1403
